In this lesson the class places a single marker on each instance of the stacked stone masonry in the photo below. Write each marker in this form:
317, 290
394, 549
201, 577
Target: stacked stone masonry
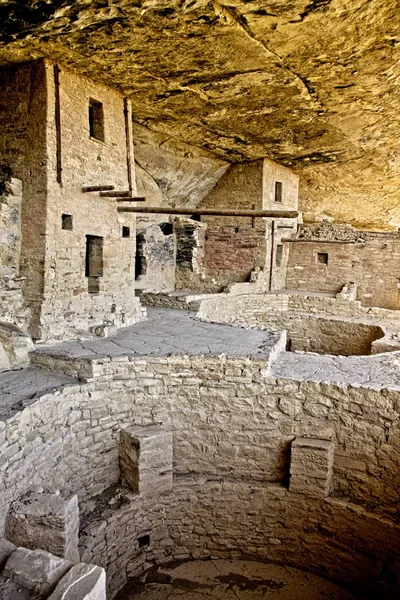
46, 522
369, 259
313, 324
233, 426
56, 155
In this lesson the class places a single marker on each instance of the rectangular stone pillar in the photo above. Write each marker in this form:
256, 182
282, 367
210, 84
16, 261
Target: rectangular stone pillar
145, 458
311, 467
45, 522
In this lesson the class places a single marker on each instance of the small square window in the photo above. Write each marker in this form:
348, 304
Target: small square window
126, 232
278, 191
144, 541
278, 256
66, 222
322, 258
96, 120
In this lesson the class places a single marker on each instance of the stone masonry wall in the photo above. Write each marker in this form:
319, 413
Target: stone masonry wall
373, 263
23, 107
232, 253
232, 427
305, 332
86, 161
54, 251
12, 307
241, 186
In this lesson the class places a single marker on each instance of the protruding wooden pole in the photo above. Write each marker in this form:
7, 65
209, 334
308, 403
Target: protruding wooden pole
97, 188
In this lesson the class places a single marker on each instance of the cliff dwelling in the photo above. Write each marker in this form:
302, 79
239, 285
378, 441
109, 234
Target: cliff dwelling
200, 300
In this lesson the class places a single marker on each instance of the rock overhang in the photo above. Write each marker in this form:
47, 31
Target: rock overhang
310, 84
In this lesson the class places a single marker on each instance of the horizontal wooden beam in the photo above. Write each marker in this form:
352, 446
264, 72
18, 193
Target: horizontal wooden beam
116, 194
211, 212
132, 199
97, 188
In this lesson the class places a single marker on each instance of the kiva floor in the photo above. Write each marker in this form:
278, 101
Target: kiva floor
231, 580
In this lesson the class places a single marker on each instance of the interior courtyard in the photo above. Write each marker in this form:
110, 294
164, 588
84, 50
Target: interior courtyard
200, 300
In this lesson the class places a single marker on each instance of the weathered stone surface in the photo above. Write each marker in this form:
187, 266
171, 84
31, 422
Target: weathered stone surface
311, 464
6, 549
15, 346
155, 259
82, 582
35, 570
171, 173
311, 84
145, 459
46, 522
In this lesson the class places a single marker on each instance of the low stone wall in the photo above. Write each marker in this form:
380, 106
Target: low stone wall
306, 332
232, 428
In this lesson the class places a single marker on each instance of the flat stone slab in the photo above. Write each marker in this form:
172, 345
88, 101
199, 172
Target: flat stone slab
377, 371
21, 388
171, 332
231, 580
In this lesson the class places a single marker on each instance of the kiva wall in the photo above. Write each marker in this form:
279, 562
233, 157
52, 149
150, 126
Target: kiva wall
232, 428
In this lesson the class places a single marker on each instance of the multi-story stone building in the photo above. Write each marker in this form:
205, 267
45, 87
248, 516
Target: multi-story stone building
62, 135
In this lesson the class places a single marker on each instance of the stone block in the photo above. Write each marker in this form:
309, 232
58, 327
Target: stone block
82, 582
36, 570
311, 466
6, 549
145, 458
46, 522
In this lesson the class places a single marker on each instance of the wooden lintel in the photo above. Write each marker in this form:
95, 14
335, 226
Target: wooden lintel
97, 188
166, 210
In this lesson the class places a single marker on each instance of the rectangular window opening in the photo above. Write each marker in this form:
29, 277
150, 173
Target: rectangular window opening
96, 120
126, 232
66, 222
322, 258
278, 256
278, 191
143, 541
94, 262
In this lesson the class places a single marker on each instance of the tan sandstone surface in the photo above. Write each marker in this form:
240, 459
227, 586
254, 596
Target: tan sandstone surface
312, 84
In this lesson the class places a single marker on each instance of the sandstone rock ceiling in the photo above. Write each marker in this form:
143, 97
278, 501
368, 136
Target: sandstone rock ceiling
313, 84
